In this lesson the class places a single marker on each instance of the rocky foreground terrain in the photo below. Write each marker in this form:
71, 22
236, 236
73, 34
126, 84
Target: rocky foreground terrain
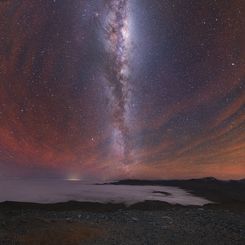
168, 225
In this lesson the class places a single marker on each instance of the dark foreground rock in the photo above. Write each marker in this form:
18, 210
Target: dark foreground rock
146, 223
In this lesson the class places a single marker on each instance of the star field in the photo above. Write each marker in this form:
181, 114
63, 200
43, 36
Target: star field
122, 88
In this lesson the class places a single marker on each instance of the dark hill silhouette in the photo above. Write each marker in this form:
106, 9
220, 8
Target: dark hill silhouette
220, 191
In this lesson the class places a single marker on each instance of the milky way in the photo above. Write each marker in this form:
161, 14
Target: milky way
122, 89
117, 70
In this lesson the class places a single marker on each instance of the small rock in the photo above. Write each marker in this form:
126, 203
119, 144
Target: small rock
134, 219
166, 217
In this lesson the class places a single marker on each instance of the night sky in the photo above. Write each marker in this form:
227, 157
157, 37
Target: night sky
107, 89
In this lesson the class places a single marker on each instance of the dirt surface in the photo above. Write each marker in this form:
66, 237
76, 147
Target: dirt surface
146, 223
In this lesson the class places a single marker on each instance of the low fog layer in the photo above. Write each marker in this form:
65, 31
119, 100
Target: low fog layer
53, 191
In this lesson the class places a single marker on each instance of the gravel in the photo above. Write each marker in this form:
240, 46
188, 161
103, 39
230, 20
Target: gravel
176, 225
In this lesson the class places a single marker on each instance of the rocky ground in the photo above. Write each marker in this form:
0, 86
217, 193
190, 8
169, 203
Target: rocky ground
142, 224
